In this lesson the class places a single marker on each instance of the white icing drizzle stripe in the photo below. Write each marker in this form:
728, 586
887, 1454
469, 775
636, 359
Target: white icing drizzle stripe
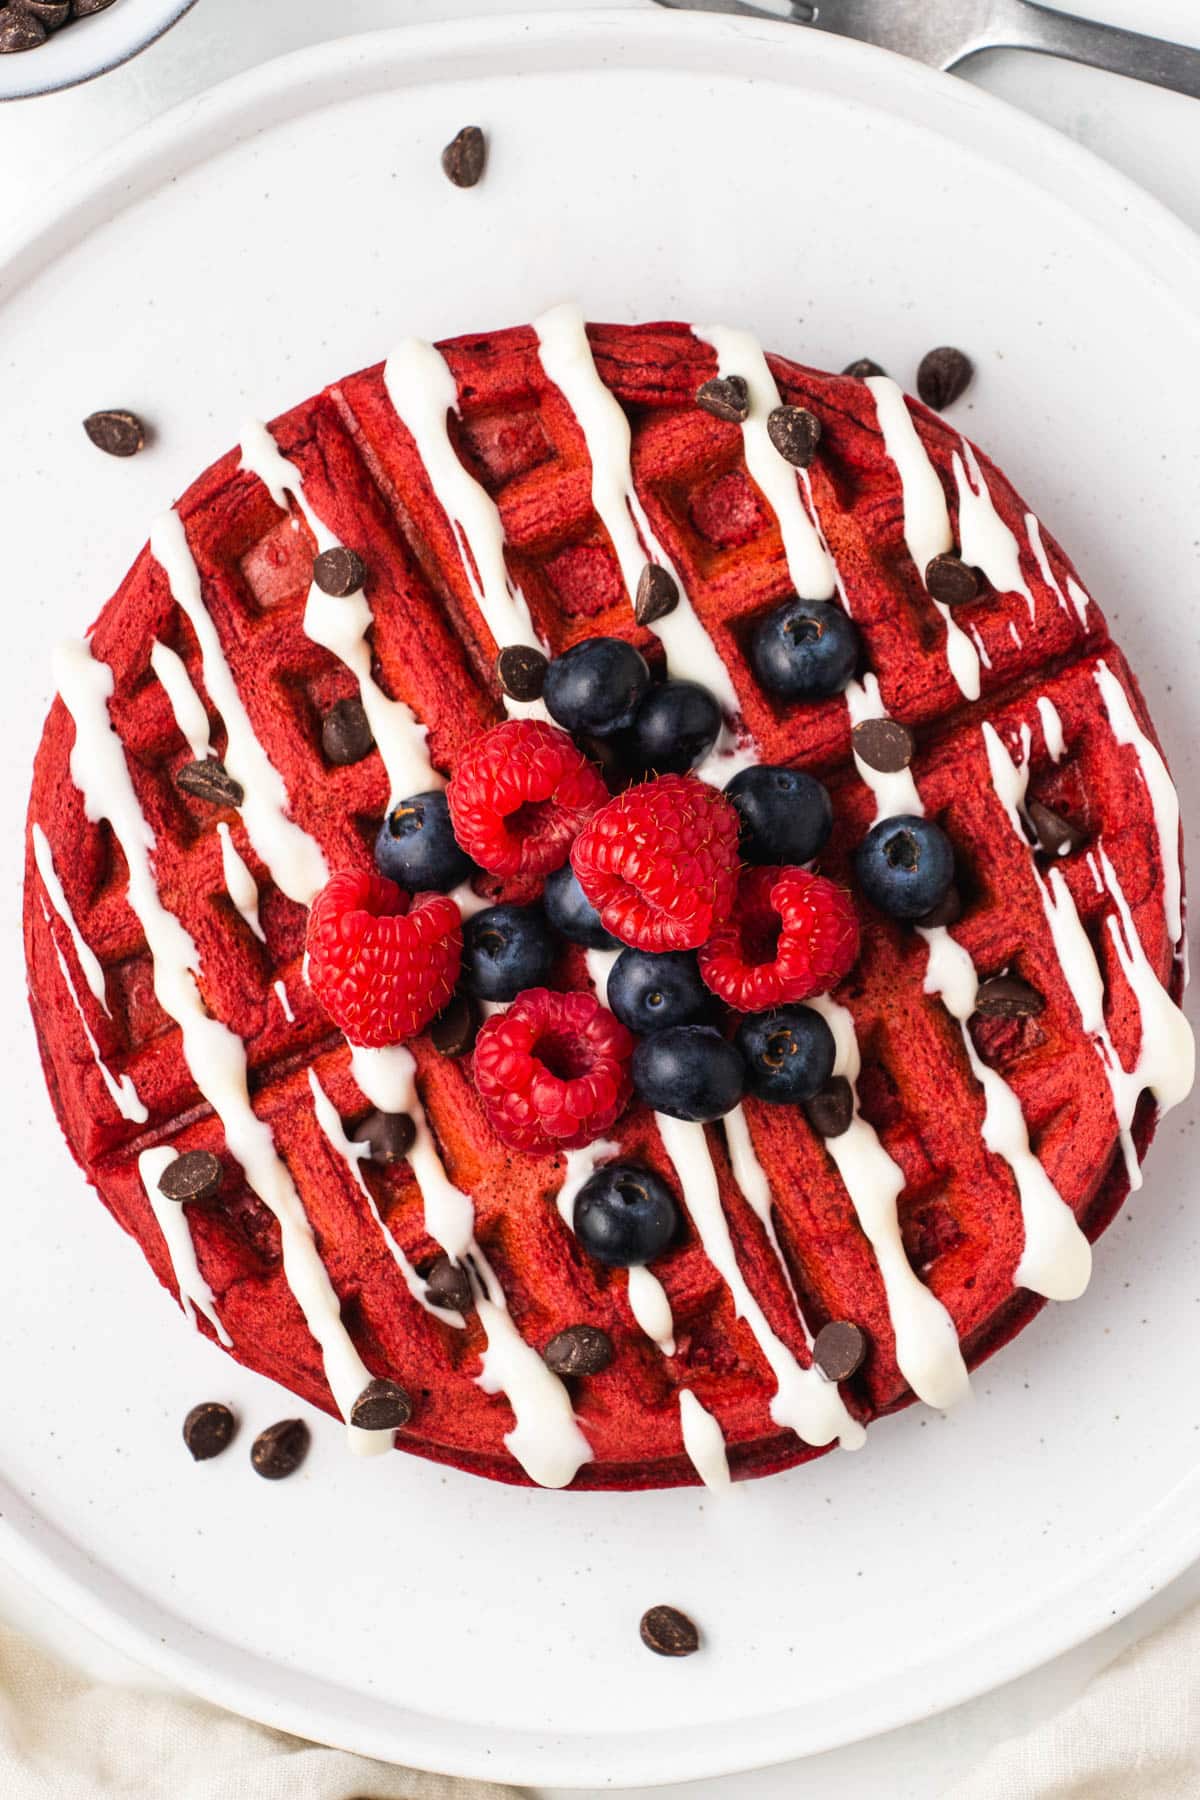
1164, 801
1052, 729
186, 704
751, 1178
194, 1292
985, 541
124, 1094
239, 882
89, 962
1079, 599
281, 994
704, 1442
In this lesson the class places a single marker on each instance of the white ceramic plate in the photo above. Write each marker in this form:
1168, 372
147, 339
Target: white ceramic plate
273, 235
89, 47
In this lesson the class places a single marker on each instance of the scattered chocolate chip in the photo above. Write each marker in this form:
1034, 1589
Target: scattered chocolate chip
862, 368
280, 1449
579, 1350
390, 1136
19, 32
84, 8
454, 1030
346, 735
838, 1350
210, 780
448, 1284
948, 910
521, 671
339, 571
464, 157
668, 1632
382, 1406
196, 1175
1008, 997
52, 13
208, 1429
943, 375
1055, 835
951, 580
883, 744
725, 397
795, 433
116, 433
657, 594
831, 1108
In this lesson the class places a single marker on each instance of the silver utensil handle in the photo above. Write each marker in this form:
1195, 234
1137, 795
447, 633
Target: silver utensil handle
1109, 47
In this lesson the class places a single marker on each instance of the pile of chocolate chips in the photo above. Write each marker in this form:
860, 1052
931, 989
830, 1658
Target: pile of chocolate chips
26, 24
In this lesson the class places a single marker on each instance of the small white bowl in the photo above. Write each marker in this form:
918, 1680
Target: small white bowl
88, 47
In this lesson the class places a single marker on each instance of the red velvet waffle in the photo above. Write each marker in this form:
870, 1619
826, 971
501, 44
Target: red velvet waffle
959, 1209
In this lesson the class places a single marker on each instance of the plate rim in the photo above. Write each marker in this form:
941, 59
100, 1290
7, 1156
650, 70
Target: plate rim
1126, 1574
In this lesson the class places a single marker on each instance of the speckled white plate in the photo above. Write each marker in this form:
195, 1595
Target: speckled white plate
269, 237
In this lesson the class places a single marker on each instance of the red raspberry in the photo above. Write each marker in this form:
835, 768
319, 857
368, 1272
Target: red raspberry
553, 1071
659, 863
791, 935
380, 967
520, 795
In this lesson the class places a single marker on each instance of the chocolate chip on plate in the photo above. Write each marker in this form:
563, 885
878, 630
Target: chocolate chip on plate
346, 735
448, 1284
382, 1406
1008, 997
84, 8
951, 580
1055, 835
795, 433
210, 780
19, 32
657, 594
464, 157
839, 1349
883, 744
280, 1449
115, 432
389, 1136
669, 1632
196, 1175
943, 375
52, 13
831, 1108
579, 1350
208, 1429
862, 368
948, 910
339, 571
454, 1030
725, 397
521, 671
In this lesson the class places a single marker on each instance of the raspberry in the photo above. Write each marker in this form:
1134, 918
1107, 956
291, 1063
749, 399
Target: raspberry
553, 1071
791, 935
659, 863
520, 795
380, 967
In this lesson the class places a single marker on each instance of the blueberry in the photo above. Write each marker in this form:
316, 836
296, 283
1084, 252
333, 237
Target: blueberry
649, 993
905, 866
416, 846
789, 1053
506, 949
625, 1215
786, 815
571, 912
804, 650
689, 1072
675, 727
595, 686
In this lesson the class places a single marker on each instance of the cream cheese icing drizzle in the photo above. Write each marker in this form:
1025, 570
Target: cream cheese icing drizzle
751, 1178
89, 962
1164, 801
194, 1292
1052, 729
1079, 599
285, 1005
122, 1091
704, 1442
186, 704
985, 540
239, 882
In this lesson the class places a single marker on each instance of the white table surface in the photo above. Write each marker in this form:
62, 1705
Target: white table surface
1152, 136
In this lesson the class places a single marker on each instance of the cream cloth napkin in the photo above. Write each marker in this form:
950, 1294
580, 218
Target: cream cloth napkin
65, 1738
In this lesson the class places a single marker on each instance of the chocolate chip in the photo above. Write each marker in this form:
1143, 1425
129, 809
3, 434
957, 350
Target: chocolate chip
521, 671
210, 780
831, 1108
52, 13
951, 580
579, 1350
862, 368
448, 1284
84, 8
725, 397
464, 157
280, 1449
795, 433
1007, 997
116, 433
454, 1030
669, 1632
883, 744
657, 594
19, 32
382, 1406
943, 375
1055, 835
339, 571
196, 1175
208, 1429
838, 1350
948, 910
346, 735
390, 1136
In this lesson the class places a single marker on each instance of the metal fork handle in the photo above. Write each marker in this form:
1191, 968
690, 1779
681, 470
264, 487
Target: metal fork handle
1027, 26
